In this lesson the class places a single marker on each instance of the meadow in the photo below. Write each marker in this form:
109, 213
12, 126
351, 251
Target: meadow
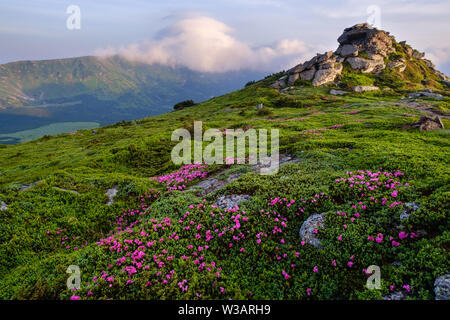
359, 164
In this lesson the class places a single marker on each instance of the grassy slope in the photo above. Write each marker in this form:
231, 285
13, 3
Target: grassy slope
127, 154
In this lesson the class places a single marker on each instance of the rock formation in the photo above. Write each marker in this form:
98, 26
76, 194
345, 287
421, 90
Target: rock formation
427, 123
364, 48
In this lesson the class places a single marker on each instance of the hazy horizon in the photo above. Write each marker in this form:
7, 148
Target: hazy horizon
264, 35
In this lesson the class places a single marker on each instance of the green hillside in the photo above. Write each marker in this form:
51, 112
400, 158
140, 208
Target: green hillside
105, 90
380, 186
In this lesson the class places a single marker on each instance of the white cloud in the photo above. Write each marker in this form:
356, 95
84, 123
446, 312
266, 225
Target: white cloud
205, 44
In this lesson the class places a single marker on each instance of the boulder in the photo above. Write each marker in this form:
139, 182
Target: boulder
232, 200
365, 88
307, 233
348, 50
442, 287
325, 76
308, 74
427, 123
3, 206
292, 78
366, 65
417, 55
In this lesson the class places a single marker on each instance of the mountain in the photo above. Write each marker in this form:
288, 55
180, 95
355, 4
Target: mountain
100, 90
363, 186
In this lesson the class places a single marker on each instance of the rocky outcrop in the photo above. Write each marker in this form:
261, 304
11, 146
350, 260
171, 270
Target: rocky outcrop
427, 123
442, 287
309, 228
365, 48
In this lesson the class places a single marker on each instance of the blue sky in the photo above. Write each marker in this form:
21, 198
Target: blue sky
265, 34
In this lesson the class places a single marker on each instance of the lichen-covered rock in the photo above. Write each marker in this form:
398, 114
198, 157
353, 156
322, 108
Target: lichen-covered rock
365, 88
231, 200
425, 93
308, 229
442, 287
347, 50
308, 74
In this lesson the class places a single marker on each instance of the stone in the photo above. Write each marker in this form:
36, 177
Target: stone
307, 234
3, 206
308, 74
292, 78
442, 287
325, 76
410, 208
280, 83
348, 50
111, 193
366, 65
395, 296
397, 64
365, 88
430, 94
338, 92
427, 123
297, 69
367, 39
232, 200
259, 106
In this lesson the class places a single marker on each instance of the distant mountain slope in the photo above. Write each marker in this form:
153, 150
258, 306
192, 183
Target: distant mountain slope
104, 90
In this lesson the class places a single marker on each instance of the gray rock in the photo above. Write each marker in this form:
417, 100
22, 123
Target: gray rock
307, 234
337, 92
231, 200
348, 50
395, 296
308, 74
366, 65
259, 106
418, 55
442, 287
397, 64
410, 208
3, 206
365, 88
324, 76
425, 93
292, 78
111, 193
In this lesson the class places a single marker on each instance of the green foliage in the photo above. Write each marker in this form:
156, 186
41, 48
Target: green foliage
184, 104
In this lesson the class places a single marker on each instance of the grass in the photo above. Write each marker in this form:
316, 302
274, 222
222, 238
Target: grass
127, 154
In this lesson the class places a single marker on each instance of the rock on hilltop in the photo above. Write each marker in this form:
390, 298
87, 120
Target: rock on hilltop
363, 49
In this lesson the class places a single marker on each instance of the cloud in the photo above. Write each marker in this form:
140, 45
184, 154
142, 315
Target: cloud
205, 44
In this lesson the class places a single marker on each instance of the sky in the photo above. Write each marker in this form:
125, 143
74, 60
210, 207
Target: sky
214, 35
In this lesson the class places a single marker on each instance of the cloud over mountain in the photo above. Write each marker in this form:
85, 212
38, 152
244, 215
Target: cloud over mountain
205, 44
